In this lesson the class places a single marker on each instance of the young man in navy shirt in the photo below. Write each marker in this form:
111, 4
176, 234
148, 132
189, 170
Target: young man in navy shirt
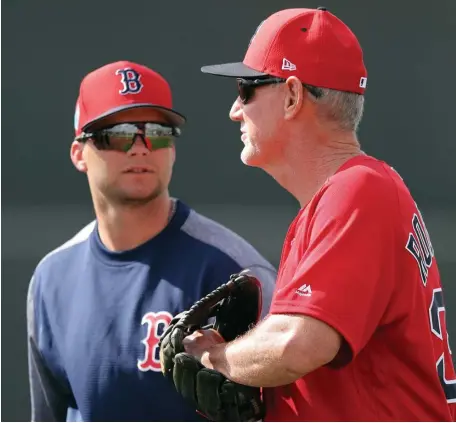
98, 304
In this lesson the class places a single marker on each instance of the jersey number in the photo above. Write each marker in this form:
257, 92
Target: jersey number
156, 325
448, 385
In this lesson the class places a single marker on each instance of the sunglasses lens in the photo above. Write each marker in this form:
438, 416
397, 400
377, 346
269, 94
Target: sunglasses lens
122, 137
159, 130
244, 90
160, 136
161, 142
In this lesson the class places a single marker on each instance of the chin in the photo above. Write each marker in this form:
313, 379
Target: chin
135, 198
250, 157
137, 195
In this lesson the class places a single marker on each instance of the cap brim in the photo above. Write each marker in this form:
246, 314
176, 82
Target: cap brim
233, 70
173, 117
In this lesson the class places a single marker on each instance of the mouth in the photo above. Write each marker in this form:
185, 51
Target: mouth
138, 169
243, 131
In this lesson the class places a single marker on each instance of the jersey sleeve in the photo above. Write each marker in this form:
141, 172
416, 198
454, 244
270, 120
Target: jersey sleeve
345, 258
49, 400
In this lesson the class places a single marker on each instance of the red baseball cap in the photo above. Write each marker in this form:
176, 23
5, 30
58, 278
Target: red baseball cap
121, 86
311, 44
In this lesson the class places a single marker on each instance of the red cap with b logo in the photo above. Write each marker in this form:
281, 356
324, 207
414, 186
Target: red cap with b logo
120, 86
311, 44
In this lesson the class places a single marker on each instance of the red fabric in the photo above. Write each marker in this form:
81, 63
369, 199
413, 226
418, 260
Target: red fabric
346, 262
322, 50
118, 86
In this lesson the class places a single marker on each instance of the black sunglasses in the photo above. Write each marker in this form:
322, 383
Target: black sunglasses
122, 136
246, 87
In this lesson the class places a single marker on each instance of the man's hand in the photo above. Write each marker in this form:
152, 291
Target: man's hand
185, 349
201, 340
198, 343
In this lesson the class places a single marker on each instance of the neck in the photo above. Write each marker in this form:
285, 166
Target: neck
125, 227
303, 170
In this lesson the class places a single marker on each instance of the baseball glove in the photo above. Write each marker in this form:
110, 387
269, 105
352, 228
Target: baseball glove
235, 308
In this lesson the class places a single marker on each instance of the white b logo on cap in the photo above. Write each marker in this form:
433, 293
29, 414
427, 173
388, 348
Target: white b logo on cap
363, 82
130, 81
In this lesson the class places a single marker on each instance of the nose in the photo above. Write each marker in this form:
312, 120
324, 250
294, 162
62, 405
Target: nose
139, 146
236, 111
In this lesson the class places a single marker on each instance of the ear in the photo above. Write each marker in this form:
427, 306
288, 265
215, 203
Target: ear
76, 155
294, 97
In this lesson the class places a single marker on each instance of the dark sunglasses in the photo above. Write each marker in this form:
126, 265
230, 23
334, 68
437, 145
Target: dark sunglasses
122, 136
246, 87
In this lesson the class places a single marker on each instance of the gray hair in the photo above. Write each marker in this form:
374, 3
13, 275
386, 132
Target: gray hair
341, 108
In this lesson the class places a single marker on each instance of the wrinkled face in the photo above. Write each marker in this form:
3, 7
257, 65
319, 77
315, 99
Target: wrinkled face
261, 120
134, 177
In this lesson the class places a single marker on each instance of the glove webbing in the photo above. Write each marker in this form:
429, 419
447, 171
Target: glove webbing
205, 304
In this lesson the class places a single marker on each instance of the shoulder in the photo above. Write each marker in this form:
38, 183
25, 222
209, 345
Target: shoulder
229, 245
362, 183
365, 171
363, 196
55, 261
219, 237
52, 267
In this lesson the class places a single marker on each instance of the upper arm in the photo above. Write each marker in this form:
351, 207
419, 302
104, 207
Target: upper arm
344, 275
49, 401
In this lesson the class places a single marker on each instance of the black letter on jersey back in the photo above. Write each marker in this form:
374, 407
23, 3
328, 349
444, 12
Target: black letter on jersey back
420, 247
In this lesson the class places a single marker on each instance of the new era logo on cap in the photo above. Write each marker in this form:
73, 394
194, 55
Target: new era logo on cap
287, 65
121, 86
311, 44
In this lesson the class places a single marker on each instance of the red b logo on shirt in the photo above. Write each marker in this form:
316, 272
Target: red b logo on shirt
156, 325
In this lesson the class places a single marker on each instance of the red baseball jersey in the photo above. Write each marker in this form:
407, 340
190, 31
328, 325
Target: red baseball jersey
359, 258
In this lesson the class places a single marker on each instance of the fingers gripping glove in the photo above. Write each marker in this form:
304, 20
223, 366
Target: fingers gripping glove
235, 307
